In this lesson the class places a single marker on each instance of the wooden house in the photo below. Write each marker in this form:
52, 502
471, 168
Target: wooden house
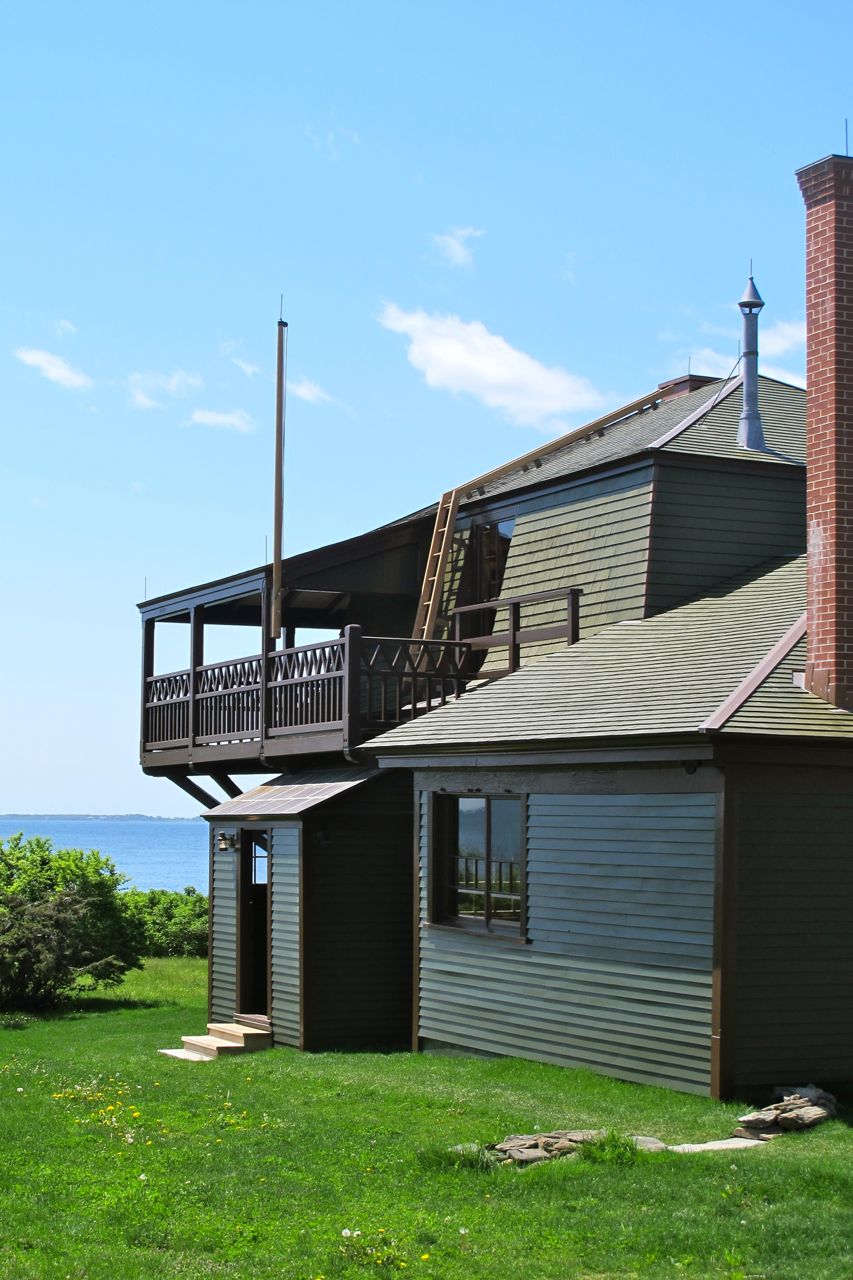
624, 755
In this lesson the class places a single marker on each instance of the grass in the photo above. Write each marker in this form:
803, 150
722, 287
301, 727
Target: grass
120, 1163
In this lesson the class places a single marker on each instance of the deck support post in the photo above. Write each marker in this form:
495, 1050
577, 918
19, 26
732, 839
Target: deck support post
267, 646
573, 616
196, 661
514, 628
147, 672
352, 687
198, 793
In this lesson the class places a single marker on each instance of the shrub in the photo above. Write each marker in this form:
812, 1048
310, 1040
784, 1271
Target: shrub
62, 926
174, 924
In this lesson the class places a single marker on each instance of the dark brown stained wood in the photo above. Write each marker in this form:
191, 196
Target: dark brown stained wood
792, 1016
196, 662
351, 695
228, 786
326, 696
357, 934
198, 793
254, 941
386, 558
147, 674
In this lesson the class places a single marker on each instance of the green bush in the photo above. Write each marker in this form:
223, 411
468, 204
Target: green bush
174, 924
62, 924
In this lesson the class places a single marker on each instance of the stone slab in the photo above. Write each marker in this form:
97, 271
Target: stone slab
721, 1144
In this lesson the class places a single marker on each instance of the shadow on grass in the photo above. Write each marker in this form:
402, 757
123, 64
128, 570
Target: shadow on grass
80, 1007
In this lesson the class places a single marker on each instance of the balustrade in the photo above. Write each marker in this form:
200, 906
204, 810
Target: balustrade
358, 685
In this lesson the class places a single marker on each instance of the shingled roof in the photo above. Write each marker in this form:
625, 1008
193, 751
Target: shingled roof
697, 669
704, 421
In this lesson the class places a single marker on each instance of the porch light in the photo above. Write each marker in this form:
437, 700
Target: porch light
226, 842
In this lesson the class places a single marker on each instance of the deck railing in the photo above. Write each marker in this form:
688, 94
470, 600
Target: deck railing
357, 685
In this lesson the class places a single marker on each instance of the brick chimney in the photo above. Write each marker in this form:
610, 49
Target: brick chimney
827, 189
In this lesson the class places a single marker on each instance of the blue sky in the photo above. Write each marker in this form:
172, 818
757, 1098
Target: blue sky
489, 221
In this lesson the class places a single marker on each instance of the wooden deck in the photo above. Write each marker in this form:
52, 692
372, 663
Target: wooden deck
254, 712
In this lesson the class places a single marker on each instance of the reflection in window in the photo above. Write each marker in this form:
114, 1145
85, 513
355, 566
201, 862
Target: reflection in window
479, 860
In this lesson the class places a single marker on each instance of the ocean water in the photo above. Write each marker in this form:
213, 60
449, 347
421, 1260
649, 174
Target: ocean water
155, 853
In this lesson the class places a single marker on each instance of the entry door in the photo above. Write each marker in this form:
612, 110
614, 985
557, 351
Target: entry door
253, 974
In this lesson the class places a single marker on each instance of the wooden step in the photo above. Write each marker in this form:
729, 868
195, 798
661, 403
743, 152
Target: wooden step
186, 1055
249, 1038
211, 1046
260, 1021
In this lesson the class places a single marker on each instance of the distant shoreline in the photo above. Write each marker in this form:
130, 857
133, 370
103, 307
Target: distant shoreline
90, 817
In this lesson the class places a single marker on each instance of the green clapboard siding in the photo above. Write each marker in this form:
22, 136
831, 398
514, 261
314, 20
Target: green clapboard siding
223, 942
616, 973
709, 526
285, 889
594, 536
794, 919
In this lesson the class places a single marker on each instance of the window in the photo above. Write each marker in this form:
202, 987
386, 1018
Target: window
478, 867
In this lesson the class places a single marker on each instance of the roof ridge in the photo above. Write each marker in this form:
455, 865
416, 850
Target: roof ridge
756, 677
719, 396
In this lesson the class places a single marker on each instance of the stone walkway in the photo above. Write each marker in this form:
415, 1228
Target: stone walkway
801, 1108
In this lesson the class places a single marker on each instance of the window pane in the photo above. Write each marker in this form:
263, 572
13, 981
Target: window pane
506, 830
260, 866
505, 907
472, 827
469, 902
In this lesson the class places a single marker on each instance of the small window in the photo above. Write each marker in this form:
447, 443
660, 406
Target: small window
478, 865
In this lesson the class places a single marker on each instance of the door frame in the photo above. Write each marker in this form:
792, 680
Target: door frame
248, 838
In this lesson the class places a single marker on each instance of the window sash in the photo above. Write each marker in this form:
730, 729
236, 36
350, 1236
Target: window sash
477, 888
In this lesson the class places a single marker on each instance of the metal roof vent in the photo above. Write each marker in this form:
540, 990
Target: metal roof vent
749, 433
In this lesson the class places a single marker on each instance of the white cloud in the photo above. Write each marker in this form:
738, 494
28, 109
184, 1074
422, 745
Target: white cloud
462, 356
783, 336
65, 326
305, 389
236, 420
797, 377
228, 348
717, 365
54, 368
145, 387
453, 246
713, 364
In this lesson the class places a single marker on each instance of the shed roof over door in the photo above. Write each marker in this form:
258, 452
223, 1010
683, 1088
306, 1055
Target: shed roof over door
292, 794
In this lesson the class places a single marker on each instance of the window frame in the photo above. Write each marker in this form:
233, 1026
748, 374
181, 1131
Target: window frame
443, 818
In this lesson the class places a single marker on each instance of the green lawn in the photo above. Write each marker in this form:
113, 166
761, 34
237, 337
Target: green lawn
118, 1164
